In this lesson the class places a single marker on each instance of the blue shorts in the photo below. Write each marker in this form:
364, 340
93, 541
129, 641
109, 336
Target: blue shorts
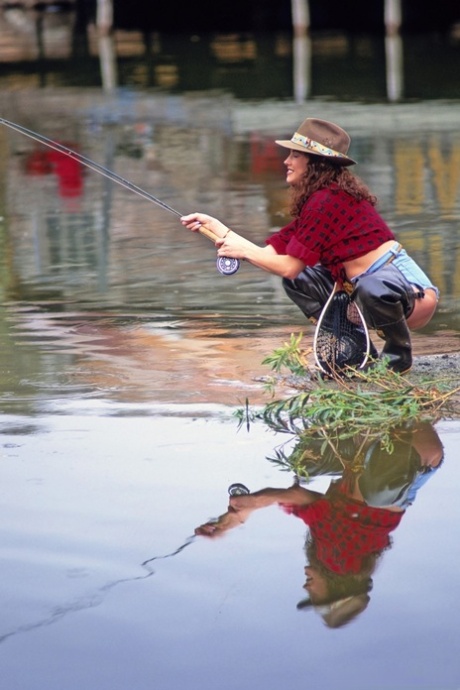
405, 264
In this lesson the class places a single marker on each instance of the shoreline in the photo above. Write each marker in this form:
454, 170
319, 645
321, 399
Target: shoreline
439, 364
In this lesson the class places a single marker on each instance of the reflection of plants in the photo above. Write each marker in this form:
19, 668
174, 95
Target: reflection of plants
320, 454
370, 403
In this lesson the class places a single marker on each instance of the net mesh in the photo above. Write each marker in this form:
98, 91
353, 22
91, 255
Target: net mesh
341, 339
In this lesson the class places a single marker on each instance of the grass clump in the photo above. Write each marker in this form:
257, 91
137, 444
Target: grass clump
372, 403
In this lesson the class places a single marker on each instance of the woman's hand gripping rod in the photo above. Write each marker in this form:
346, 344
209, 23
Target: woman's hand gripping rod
225, 265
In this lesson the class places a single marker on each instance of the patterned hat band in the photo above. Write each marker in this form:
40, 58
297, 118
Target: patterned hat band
315, 146
313, 131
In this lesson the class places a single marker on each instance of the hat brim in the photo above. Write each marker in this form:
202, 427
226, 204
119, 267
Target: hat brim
335, 160
339, 612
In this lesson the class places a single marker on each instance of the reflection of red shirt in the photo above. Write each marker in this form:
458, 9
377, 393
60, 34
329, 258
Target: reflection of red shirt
345, 530
333, 227
69, 172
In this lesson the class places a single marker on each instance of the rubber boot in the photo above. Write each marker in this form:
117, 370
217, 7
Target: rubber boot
397, 349
386, 299
310, 290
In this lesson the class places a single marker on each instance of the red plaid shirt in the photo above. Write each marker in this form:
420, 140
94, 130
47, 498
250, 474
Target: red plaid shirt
333, 227
345, 531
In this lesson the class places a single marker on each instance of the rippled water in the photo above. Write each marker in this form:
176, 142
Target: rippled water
123, 357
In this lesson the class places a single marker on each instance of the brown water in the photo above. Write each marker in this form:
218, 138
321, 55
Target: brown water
124, 355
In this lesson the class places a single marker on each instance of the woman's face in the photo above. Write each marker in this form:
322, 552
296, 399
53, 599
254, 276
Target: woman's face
296, 166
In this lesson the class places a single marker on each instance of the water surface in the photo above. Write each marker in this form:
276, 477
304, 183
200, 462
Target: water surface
123, 357
104, 584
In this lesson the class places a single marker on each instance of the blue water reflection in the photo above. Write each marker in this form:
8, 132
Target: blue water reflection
105, 583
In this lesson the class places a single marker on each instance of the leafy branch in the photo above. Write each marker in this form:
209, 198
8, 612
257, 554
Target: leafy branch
372, 402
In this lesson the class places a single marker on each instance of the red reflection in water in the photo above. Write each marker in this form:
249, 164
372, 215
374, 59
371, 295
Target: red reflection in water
68, 171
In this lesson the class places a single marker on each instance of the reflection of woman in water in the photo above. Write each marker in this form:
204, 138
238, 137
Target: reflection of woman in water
350, 524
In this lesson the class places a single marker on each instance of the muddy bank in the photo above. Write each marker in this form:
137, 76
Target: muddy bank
444, 368
440, 365
440, 371
436, 365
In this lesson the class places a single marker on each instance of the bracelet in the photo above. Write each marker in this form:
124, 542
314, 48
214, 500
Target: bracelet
223, 238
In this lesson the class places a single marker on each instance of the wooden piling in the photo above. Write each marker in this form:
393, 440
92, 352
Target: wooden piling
393, 50
107, 53
392, 17
300, 11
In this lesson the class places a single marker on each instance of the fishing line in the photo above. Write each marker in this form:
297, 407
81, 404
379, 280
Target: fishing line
235, 489
187, 542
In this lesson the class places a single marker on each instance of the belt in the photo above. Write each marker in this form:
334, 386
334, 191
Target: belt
386, 258
383, 260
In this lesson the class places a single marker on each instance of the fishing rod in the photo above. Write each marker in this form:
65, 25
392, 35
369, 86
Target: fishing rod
225, 265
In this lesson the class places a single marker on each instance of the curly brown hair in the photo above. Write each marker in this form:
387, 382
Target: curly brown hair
344, 585
320, 174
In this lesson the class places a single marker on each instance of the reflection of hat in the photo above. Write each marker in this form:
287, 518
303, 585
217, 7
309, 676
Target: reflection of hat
321, 138
339, 612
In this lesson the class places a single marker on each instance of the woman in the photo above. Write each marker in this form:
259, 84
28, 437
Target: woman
337, 235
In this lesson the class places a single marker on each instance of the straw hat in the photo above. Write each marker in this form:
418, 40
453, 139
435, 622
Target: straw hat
321, 138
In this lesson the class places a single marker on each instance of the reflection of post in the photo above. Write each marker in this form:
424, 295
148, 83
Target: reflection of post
393, 50
103, 230
40, 35
106, 46
39, 30
302, 49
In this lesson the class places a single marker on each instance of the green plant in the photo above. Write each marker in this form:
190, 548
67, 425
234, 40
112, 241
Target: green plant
290, 357
371, 402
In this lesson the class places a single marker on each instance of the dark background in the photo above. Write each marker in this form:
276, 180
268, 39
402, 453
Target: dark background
258, 15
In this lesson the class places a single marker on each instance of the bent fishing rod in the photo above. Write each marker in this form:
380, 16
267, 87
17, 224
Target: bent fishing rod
225, 265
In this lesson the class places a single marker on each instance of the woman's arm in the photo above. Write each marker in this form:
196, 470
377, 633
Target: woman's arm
241, 507
235, 246
294, 495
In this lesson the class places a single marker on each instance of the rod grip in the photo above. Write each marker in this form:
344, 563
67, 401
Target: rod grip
207, 232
